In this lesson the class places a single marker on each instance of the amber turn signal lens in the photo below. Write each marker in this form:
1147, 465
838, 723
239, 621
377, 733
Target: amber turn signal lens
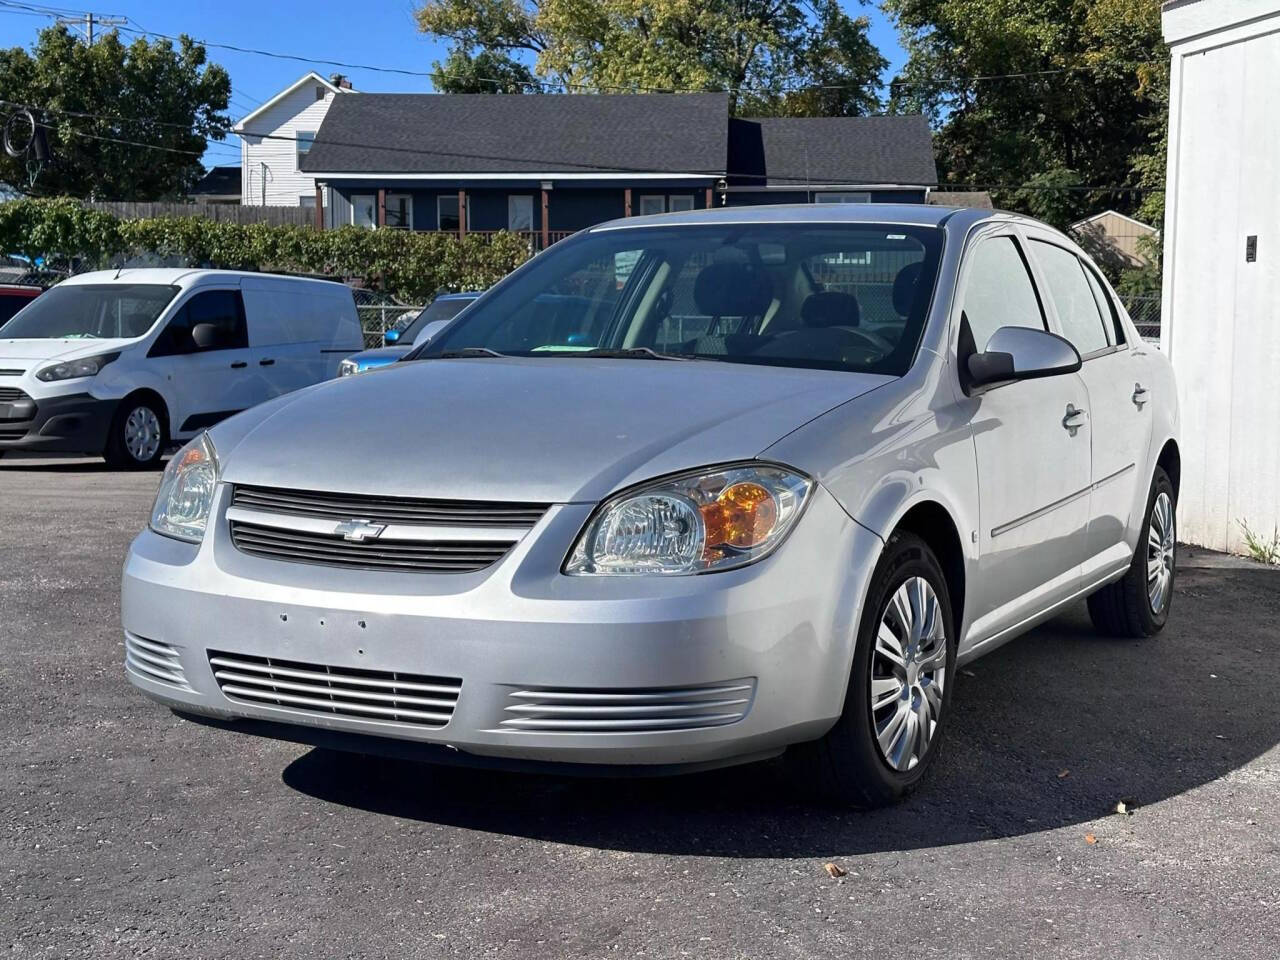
742, 516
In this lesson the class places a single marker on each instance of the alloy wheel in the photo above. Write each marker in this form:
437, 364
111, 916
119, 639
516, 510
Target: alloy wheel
1161, 547
908, 674
142, 434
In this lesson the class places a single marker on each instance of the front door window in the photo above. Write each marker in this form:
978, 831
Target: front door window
364, 209
520, 213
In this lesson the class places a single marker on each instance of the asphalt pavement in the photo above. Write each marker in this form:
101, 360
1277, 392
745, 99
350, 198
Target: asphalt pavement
128, 832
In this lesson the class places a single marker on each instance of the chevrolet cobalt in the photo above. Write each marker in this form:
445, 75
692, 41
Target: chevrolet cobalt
681, 491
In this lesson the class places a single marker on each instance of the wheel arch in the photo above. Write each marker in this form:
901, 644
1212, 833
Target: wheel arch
146, 393
1170, 460
933, 523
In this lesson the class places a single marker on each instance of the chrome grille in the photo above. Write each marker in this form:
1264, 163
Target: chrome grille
336, 691
154, 660
432, 556
585, 710
387, 510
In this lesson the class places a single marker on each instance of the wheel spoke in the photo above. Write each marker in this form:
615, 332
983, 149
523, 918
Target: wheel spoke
890, 733
924, 726
884, 691
935, 659
889, 646
902, 608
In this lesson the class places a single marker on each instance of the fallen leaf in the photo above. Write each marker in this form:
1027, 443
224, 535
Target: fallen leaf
835, 870
1063, 774
1125, 807
1090, 839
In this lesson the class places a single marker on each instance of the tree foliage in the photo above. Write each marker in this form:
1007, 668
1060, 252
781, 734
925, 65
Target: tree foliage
1088, 107
483, 72
167, 97
411, 266
770, 54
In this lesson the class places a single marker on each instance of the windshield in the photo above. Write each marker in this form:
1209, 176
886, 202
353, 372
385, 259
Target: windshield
436, 310
91, 311
837, 297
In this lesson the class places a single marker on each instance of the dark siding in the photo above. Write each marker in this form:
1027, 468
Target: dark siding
800, 196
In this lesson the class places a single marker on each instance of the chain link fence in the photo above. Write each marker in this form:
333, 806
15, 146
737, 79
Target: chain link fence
1145, 314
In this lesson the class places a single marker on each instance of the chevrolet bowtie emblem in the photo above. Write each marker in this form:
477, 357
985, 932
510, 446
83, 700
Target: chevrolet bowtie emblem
359, 530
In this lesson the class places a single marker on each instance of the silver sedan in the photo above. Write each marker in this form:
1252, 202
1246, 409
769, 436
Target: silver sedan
681, 491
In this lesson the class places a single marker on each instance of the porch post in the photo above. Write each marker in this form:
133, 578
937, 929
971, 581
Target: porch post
382, 207
626, 202
319, 206
546, 227
462, 213
709, 198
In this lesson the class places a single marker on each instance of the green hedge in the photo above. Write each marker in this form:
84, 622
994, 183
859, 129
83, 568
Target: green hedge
411, 266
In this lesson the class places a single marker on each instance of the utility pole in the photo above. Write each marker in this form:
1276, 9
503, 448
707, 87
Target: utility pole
89, 21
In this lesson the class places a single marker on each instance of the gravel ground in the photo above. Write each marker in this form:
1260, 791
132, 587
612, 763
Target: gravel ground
127, 832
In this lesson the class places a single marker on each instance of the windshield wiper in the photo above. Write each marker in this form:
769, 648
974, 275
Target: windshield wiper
631, 353
470, 352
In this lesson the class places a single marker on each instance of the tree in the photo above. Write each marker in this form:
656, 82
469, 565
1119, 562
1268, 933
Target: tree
169, 99
1087, 107
770, 55
485, 72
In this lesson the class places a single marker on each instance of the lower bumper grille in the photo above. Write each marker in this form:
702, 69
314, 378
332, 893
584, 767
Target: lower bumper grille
336, 691
583, 710
154, 660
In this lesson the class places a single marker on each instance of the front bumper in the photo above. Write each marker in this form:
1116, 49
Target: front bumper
71, 423
782, 628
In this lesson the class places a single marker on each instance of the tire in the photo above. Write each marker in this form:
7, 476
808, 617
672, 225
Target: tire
138, 434
1130, 607
848, 766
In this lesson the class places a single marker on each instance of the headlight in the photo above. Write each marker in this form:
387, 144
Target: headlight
709, 520
347, 367
186, 491
71, 369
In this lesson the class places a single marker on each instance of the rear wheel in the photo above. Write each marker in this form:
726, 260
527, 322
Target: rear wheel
899, 687
137, 435
1137, 605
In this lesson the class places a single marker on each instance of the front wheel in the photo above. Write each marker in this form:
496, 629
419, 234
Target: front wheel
137, 435
899, 687
1137, 605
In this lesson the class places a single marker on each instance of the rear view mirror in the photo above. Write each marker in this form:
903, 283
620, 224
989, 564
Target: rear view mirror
1022, 353
205, 336
390, 337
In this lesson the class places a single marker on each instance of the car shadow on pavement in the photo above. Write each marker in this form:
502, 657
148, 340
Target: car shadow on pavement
1055, 728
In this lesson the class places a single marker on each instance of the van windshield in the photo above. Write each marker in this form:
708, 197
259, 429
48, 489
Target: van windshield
90, 312
848, 297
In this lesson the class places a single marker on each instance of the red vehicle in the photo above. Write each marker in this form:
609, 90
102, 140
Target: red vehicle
15, 296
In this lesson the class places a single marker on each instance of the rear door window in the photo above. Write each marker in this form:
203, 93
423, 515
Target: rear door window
1077, 307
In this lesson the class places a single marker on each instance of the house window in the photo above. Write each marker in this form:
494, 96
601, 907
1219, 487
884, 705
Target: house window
320, 92
307, 200
364, 209
305, 138
680, 201
519, 212
400, 211
447, 212
842, 198
652, 203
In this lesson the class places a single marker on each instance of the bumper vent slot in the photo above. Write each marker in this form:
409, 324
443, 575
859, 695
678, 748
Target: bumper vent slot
586, 710
154, 660
387, 510
336, 691
12, 394
430, 556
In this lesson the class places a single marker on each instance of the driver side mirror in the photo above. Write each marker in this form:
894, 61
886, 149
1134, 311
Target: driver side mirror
1022, 353
390, 337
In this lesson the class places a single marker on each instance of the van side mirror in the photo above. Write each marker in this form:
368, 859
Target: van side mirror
205, 336
1022, 353
390, 337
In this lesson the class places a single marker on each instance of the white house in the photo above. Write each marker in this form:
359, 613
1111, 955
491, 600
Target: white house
275, 137
1221, 297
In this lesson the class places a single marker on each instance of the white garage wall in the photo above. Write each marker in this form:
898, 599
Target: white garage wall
1221, 323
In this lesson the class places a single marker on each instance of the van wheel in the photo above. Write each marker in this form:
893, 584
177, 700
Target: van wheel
138, 435
895, 709
1137, 605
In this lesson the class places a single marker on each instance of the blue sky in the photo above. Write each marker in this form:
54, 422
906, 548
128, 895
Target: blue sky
379, 32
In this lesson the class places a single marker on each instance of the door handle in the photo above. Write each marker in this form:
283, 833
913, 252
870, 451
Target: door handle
1074, 419
239, 365
1139, 395
266, 362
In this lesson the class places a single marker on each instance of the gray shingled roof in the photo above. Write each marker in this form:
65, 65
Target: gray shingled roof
825, 150
522, 133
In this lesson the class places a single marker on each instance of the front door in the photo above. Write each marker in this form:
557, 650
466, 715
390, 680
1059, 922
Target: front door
1031, 440
520, 213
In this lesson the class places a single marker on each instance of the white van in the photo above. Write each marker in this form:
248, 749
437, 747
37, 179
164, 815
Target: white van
122, 363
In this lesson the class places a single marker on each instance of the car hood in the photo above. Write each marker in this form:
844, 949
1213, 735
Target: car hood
53, 349
543, 430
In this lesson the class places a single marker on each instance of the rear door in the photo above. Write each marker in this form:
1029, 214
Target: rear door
1119, 410
207, 370
1031, 440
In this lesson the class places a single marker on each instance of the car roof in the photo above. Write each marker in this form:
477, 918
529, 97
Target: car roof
908, 214
180, 276
467, 295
